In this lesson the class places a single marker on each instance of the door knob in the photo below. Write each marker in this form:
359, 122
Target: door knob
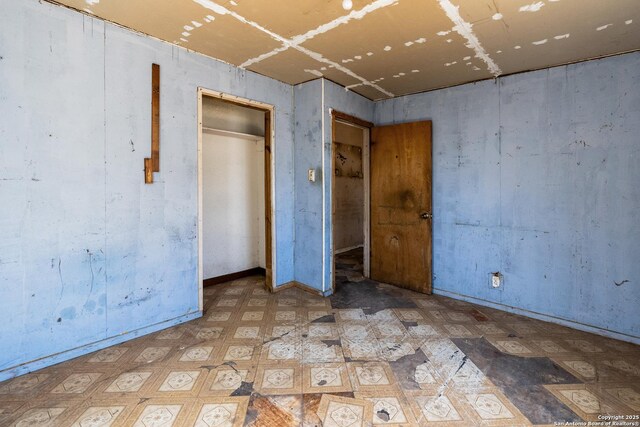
426, 215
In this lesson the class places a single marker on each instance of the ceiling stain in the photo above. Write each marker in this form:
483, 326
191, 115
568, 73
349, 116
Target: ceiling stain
384, 48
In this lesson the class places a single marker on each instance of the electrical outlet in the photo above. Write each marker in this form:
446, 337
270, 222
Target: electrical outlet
495, 280
311, 175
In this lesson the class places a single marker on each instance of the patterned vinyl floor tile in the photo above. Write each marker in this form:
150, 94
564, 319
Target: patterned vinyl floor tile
370, 355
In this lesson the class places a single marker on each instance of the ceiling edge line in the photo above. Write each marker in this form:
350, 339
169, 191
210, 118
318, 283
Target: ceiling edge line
320, 58
260, 58
515, 73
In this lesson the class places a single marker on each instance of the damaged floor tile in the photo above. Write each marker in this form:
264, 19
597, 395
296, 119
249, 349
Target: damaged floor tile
335, 411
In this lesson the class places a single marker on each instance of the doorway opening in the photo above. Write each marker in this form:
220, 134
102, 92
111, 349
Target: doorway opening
384, 183
349, 198
234, 189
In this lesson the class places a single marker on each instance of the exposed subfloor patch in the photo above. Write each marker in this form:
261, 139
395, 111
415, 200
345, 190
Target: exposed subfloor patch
353, 290
370, 354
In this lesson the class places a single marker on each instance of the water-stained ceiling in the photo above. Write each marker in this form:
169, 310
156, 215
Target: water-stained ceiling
384, 48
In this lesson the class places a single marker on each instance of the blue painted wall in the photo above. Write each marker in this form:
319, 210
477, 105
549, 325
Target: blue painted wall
536, 175
308, 195
313, 104
88, 251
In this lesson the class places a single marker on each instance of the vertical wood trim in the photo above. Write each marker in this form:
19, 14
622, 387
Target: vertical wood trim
333, 207
155, 116
267, 202
366, 166
200, 209
271, 207
429, 255
148, 171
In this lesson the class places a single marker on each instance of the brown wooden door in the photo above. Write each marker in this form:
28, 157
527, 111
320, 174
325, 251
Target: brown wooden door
401, 205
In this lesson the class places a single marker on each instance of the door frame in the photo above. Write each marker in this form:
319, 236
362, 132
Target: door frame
269, 178
338, 116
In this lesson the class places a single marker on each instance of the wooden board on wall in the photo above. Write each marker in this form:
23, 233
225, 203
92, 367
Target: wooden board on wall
155, 117
152, 164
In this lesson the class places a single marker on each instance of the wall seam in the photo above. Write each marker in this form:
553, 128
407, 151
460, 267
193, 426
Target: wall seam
324, 201
293, 172
104, 111
500, 229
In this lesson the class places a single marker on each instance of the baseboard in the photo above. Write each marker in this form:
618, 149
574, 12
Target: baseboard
53, 359
541, 316
309, 289
343, 250
299, 285
234, 276
284, 286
